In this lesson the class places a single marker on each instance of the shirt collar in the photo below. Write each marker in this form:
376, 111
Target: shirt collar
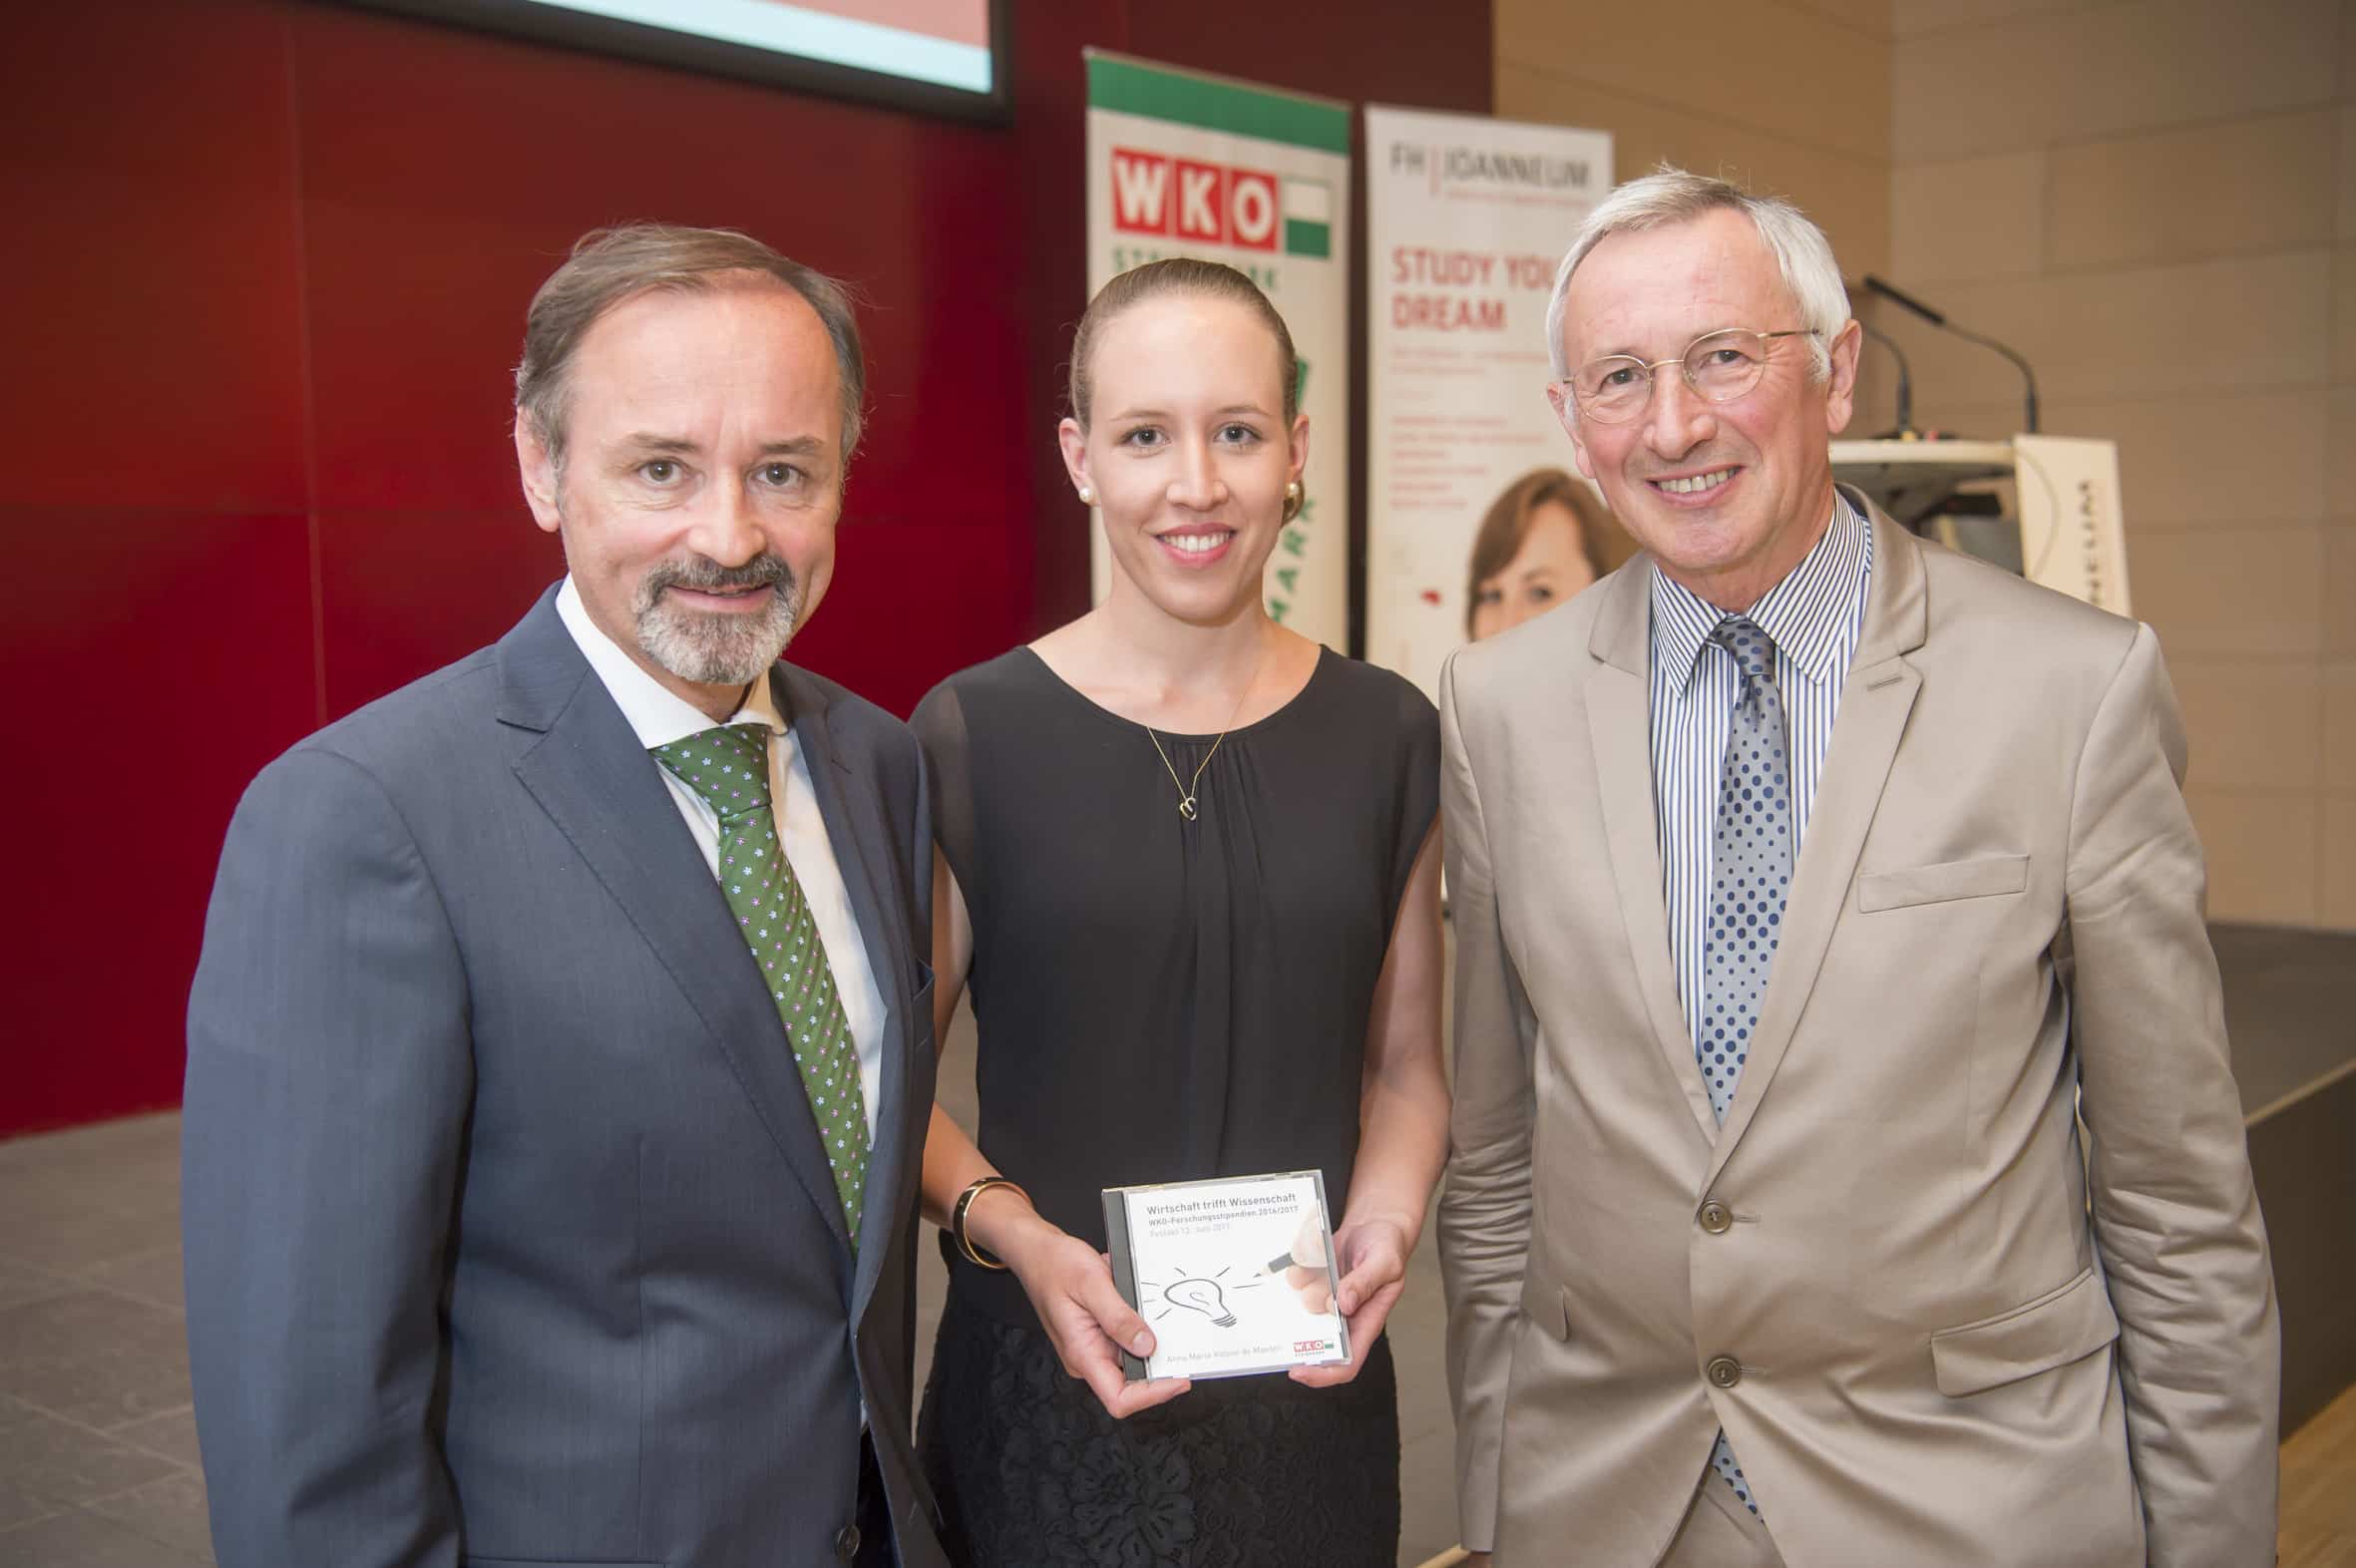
657, 714
1803, 615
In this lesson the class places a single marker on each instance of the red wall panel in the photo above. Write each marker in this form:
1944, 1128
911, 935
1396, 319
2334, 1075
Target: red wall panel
270, 261
147, 174
400, 588
156, 657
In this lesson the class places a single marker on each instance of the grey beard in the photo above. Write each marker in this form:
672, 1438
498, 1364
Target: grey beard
716, 650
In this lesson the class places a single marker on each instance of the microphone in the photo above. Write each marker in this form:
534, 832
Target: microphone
1905, 430
1897, 296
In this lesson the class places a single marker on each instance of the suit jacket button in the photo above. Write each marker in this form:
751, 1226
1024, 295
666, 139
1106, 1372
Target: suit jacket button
1724, 1370
1717, 1219
847, 1543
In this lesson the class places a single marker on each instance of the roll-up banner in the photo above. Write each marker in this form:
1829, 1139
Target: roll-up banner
1181, 164
1465, 221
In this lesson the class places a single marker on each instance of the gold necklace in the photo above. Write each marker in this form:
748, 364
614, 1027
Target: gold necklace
1186, 791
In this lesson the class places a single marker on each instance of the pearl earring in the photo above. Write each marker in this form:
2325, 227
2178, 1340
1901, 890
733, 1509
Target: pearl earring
1087, 495
1293, 490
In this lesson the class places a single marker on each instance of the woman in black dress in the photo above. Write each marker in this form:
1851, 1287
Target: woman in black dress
1189, 864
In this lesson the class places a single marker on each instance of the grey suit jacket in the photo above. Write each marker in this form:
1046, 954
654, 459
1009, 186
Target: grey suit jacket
509, 1232
1932, 1332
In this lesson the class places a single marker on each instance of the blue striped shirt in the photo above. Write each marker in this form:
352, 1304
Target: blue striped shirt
1816, 616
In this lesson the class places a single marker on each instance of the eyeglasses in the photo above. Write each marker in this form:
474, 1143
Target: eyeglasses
1720, 366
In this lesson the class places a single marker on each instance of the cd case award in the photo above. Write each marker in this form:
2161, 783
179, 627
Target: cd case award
1225, 1273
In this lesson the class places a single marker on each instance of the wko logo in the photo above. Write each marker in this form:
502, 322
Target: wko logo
1219, 205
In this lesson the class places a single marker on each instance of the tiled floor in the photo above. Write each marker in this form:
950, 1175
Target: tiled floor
98, 1451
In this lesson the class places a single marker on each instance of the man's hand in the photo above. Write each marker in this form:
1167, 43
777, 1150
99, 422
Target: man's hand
1071, 1285
1373, 1257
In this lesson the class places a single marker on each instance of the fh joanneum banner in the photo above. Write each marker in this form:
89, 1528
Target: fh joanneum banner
1467, 219
1198, 165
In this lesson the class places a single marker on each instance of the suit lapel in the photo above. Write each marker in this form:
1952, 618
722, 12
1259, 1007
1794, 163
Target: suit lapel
851, 807
1619, 719
587, 771
1873, 711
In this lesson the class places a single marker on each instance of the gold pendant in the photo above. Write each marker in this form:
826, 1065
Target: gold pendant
1185, 807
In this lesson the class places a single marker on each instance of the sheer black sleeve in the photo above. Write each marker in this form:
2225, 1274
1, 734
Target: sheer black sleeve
939, 725
1417, 785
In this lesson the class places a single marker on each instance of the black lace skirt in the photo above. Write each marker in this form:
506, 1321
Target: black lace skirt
1237, 1472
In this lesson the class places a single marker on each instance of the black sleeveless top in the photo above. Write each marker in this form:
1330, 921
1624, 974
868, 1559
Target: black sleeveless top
1161, 1000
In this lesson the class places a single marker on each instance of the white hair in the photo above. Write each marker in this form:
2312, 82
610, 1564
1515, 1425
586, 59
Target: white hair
1675, 195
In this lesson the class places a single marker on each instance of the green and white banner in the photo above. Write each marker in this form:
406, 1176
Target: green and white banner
1181, 164
1467, 219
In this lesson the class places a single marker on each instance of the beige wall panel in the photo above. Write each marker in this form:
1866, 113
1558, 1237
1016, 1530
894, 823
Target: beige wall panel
2189, 292
2227, 462
2339, 861
1870, 17
1913, 18
2261, 849
2347, 201
2339, 725
1848, 196
2200, 329
2343, 315
1784, 70
2249, 185
2251, 723
1876, 407
2339, 590
1976, 217
2251, 592
2339, 459
2071, 74
2347, 82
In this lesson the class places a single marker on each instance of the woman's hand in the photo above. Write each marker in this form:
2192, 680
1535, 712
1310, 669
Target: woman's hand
1373, 1255
1071, 1285
1308, 1275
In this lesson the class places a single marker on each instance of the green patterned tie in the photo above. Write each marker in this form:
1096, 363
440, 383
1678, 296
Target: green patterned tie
729, 768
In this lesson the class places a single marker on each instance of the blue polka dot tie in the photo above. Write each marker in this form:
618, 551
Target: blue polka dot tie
1750, 874
728, 768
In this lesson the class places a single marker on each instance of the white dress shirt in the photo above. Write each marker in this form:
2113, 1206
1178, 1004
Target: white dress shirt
660, 716
1815, 617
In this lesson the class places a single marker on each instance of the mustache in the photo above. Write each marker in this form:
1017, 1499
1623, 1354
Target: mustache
701, 574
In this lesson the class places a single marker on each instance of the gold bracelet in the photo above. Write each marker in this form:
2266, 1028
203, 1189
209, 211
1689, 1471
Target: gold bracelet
957, 1220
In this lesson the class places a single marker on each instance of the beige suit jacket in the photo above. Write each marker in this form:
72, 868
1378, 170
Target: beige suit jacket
1883, 1276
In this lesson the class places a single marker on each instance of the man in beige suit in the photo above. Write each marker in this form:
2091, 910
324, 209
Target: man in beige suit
1807, 879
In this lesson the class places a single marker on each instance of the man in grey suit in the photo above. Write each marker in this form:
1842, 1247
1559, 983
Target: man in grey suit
561, 1053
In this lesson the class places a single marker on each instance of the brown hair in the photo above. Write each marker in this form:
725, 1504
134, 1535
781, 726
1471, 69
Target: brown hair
1602, 539
1178, 275
611, 265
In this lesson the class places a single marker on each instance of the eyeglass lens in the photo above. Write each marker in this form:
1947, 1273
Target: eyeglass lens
1720, 367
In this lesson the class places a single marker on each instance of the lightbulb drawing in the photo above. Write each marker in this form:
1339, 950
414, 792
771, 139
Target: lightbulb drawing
1200, 1293
1204, 1297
